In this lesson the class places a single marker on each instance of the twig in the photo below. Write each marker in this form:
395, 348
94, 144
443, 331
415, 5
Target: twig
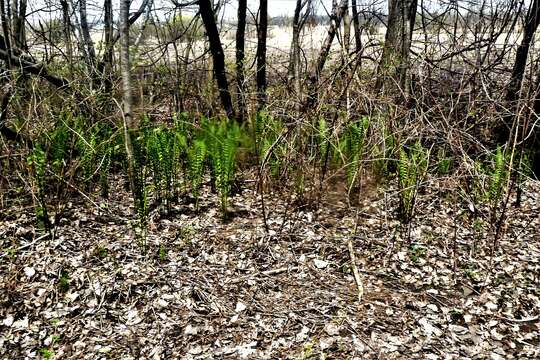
25, 246
356, 273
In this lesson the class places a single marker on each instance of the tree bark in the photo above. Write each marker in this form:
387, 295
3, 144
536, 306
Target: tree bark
129, 123
294, 56
90, 53
346, 34
240, 56
67, 31
394, 64
105, 66
335, 20
218, 57
532, 21
262, 32
356, 27
18, 33
5, 44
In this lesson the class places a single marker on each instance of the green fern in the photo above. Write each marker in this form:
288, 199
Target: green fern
196, 156
352, 147
497, 177
412, 167
222, 143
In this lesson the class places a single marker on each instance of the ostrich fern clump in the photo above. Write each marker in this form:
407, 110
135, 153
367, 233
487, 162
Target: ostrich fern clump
222, 142
160, 148
196, 159
352, 148
412, 167
498, 176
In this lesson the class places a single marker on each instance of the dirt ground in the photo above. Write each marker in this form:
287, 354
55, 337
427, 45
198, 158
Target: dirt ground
210, 289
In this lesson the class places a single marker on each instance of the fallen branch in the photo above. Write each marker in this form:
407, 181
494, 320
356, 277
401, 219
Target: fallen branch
28, 67
356, 273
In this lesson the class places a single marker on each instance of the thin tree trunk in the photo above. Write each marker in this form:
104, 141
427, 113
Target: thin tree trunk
144, 25
294, 57
394, 65
240, 56
335, 20
218, 57
67, 31
356, 27
87, 39
532, 22
18, 13
346, 34
105, 67
262, 33
513, 90
5, 44
129, 123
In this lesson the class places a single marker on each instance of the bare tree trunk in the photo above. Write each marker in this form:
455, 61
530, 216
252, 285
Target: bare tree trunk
18, 14
5, 44
294, 57
394, 65
532, 21
262, 32
513, 90
240, 56
129, 123
218, 57
67, 31
105, 67
335, 20
356, 27
346, 34
87, 39
144, 25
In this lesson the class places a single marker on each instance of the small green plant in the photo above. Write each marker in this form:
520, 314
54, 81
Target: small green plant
162, 252
46, 353
470, 272
63, 282
101, 252
498, 175
412, 168
307, 351
444, 162
416, 252
490, 182
55, 339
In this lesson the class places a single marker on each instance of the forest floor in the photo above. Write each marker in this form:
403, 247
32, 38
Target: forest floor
208, 288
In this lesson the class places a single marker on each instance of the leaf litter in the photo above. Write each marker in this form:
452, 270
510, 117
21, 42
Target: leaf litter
208, 288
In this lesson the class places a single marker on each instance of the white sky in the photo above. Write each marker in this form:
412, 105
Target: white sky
49, 8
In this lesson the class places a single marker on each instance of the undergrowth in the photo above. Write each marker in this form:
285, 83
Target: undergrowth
175, 160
